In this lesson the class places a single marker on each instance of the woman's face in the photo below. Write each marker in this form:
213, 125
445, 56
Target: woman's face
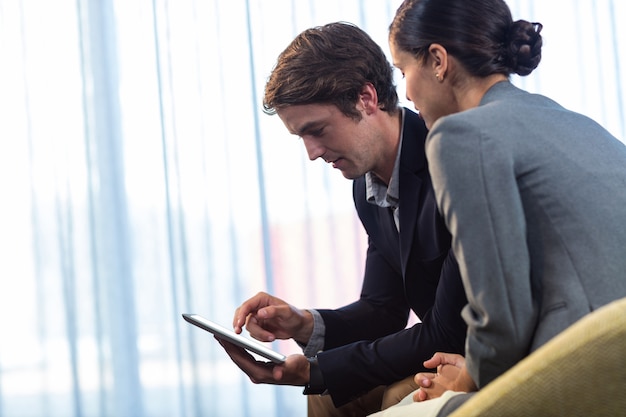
430, 96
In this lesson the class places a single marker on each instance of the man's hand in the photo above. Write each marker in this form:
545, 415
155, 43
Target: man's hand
268, 318
451, 375
294, 371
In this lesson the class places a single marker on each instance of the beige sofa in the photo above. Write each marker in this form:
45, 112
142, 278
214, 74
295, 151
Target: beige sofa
581, 372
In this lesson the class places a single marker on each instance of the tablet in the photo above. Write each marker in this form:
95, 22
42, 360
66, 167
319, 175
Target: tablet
237, 339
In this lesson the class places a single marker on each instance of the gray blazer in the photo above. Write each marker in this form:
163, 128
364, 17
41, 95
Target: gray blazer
535, 198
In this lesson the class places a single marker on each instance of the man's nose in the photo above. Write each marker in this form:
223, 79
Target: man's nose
313, 148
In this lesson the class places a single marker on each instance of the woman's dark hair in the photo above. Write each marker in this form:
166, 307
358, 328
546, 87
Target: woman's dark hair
330, 64
480, 34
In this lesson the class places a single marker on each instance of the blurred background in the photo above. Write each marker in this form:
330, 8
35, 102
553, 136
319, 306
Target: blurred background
140, 180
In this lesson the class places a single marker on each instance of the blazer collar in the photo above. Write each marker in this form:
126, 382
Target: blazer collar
498, 91
413, 171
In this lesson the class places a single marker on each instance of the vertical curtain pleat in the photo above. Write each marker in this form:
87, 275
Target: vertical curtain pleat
161, 30
113, 238
617, 43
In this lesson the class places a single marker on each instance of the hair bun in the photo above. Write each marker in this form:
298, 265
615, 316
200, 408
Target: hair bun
524, 49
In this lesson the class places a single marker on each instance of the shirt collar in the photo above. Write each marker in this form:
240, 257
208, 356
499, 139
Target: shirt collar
377, 192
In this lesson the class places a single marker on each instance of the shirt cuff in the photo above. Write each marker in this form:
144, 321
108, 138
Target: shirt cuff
316, 341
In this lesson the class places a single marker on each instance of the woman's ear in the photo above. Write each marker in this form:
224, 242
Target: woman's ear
439, 60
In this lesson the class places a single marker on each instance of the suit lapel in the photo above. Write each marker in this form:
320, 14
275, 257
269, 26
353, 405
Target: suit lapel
412, 166
410, 185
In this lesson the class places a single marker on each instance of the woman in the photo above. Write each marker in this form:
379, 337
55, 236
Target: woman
533, 194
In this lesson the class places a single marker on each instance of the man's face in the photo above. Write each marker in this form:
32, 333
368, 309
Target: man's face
351, 146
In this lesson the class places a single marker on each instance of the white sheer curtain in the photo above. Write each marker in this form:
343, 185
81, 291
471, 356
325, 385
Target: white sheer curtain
140, 180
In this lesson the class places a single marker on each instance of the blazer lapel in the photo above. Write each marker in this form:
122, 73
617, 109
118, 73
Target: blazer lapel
409, 193
412, 171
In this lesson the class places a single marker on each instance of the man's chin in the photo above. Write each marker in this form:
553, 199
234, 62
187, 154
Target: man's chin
350, 175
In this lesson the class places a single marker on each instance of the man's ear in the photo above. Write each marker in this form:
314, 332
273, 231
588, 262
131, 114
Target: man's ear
439, 60
368, 99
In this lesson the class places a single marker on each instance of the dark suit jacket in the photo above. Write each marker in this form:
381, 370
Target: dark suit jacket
366, 343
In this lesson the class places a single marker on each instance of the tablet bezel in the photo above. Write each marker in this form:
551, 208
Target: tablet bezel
237, 339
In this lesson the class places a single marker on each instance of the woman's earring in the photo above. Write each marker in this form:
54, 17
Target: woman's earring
438, 77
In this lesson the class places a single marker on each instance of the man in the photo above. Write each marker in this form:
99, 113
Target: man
333, 87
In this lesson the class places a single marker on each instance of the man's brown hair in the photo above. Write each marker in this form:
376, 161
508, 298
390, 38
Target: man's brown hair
330, 64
